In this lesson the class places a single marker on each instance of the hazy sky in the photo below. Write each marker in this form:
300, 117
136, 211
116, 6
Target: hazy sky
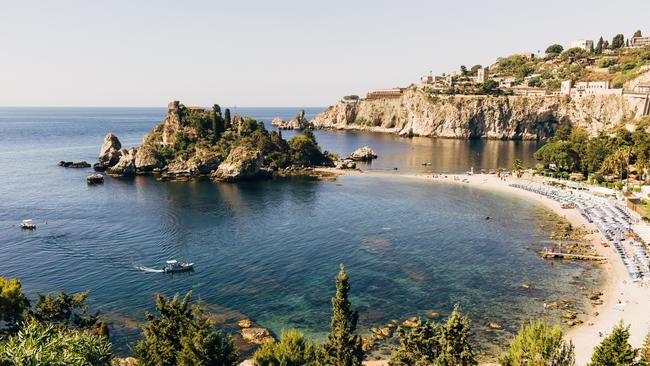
271, 52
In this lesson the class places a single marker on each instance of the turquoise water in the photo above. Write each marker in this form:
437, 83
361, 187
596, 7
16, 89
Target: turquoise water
270, 250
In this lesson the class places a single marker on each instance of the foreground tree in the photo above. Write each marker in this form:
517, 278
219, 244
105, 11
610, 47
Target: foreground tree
539, 344
431, 344
518, 168
615, 350
293, 349
417, 346
46, 344
343, 346
455, 348
182, 335
68, 310
644, 352
13, 304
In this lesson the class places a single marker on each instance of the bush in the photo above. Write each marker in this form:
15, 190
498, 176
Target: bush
537, 343
292, 350
45, 344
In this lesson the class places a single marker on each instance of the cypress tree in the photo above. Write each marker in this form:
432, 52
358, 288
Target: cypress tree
217, 121
599, 46
615, 350
343, 347
228, 121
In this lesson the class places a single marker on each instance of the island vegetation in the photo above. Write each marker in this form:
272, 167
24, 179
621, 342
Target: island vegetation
58, 330
193, 141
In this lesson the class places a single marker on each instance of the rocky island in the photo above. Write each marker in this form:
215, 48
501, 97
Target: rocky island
192, 142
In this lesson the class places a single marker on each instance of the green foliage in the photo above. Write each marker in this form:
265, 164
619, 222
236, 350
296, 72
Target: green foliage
490, 87
293, 349
606, 62
45, 344
515, 65
615, 349
518, 167
574, 54
226, 117
431, 344
637, 34
304, 150
554, 49
539, 344
68, 310
13, 303
535, 82
343, 346
474, 70
599, 46
618, 41
418, 346
560, 153
644, 352
182, 335
455, 348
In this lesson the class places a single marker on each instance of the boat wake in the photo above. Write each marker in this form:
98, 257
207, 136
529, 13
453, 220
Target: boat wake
147, 269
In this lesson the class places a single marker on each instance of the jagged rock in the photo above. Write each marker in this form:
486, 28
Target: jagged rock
241, 164
126, 164
345, 164
70, 164
109, 153
95, 179
363, 154
256, 335
204, 161
147, 159
297, 123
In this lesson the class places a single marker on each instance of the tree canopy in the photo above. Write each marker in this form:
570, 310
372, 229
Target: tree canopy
293, 349
13, 304
554, 49
615, 349
537, 343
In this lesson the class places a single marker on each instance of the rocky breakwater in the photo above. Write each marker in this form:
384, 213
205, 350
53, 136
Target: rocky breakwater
192, 142
419, 112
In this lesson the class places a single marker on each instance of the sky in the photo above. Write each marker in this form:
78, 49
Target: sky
279, 53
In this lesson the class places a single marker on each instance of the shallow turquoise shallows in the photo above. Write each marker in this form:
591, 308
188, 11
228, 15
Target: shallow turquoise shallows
270, 250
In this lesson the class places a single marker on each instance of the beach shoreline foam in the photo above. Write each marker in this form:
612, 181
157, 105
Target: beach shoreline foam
623, 300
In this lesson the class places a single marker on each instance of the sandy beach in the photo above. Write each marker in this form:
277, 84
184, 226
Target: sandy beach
623, 300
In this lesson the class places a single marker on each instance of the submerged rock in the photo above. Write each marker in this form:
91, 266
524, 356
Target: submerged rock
363, 154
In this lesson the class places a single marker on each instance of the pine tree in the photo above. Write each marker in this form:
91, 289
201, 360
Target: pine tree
615, 350
343, 347
418, 346
599, 46
455, 348
182, 335
618, 41
644, 352
539, 344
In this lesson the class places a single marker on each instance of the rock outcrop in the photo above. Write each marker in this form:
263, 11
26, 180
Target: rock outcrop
147, 159
363, 154
109, 153
299, 122
419, 113
126, 164
71, 164
241, 164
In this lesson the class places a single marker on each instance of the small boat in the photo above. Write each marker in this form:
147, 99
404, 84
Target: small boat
28, 225
173, 265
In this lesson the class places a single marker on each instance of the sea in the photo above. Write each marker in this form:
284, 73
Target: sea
270, 250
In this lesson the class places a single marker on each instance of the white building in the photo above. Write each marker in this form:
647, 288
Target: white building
585, 44
639, 41
482, 75
584, 88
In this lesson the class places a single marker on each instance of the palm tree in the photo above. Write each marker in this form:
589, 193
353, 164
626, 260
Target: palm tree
618, 161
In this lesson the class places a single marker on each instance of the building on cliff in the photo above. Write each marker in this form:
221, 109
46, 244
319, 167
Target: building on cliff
585, 44
584, 88
385, 93
639, 41
482, 74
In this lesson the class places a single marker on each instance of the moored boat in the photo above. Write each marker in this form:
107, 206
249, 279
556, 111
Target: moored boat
28, 225
173, 265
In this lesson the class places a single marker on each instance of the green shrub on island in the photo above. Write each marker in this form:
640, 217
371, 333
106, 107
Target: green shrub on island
180, 334
615, 349
537, 343
293, 349
430, 344
38, 343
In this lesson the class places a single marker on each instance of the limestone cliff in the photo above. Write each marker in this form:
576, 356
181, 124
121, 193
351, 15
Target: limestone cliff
506, 117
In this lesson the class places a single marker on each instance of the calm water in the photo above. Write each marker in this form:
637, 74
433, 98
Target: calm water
270, 250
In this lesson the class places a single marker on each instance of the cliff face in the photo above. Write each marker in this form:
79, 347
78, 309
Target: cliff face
511, 117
